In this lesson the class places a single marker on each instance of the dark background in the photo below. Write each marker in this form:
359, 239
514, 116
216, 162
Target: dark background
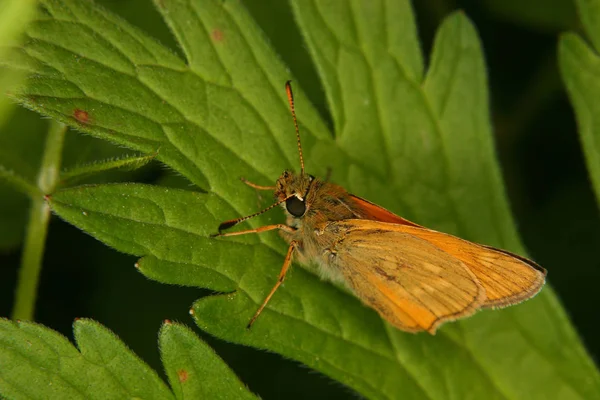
537, 145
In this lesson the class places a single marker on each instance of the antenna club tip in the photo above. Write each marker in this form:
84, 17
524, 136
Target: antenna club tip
288, 89
227, 224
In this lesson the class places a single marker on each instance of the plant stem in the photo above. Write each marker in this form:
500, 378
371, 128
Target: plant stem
37, 228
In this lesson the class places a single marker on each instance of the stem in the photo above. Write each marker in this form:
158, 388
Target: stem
37, 228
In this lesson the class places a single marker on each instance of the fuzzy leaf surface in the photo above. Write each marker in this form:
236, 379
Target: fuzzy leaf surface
193, 368
38, 363
417, 142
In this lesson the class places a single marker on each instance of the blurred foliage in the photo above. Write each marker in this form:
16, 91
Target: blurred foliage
543, 15
536, 139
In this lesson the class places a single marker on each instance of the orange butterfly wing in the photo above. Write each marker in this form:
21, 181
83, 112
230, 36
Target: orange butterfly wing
413, 284
506, 277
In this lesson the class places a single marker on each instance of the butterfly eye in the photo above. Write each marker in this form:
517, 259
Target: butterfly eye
295, 206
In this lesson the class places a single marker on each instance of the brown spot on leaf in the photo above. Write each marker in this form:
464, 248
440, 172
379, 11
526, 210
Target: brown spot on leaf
183, 375
217, 35
81, 116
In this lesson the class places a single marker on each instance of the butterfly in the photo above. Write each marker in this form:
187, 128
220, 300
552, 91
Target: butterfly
415, 278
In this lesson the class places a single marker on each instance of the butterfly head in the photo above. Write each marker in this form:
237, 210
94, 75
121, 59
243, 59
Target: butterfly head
293, 189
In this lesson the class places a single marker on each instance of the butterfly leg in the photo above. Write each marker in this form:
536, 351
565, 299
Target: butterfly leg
260, 229
255, 186
284, 269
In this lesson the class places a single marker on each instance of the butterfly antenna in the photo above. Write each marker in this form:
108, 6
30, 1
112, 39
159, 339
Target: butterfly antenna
290, 95
233, 222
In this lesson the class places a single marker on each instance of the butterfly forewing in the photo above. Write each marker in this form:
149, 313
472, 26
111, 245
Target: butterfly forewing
410, 282
507, 278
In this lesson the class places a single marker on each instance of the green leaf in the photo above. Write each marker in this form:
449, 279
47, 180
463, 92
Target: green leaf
580, 65
194, 369
170, 228
432, 174
169, 225
126, 163
21, 133
589, 14
14, 17
40, 363
418, 143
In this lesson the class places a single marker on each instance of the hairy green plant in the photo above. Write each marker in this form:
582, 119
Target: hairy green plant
416, 140
39, 363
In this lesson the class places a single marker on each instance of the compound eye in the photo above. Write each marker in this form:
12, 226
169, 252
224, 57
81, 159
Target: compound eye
295, 206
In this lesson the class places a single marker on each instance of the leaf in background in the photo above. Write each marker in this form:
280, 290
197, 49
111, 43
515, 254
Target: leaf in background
589, 14
421, 146
580, 66
22, 132
14, 17
40, 363
544, 15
